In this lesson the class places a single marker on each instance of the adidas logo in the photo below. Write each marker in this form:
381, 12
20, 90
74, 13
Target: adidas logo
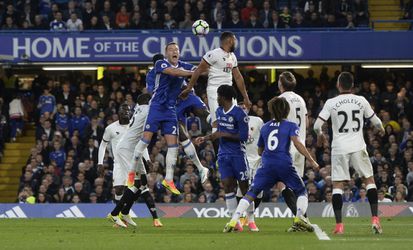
72, 212
15, 212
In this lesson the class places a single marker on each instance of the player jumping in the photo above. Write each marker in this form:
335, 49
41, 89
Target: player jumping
274, 146
192, 103
348, 113
221, 65
232, 133
162, 111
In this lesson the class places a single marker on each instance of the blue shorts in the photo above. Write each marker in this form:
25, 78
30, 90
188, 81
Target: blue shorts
233, 166
161, 117
269, 174
192, 102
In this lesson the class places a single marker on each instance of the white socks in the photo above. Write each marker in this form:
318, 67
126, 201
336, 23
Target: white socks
231, 202
190, 151
171, 156
242, 207
250, 212
302, 204
139, 148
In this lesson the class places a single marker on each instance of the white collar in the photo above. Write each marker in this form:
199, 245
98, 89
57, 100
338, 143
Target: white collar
229, 110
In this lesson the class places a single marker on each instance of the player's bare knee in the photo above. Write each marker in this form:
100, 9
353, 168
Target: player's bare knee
338, 184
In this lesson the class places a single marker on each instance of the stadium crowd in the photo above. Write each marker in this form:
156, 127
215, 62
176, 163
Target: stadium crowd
71, 115
79, 15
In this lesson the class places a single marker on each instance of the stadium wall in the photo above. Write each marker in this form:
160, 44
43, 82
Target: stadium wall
259, 46
194, 210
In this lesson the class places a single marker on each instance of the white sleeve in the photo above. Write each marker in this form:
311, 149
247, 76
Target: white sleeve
235, 60
368, 111
318, 125
325, 112
376, 121
210, 57
102, 150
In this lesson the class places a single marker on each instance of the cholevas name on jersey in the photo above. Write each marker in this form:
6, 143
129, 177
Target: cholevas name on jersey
348, 100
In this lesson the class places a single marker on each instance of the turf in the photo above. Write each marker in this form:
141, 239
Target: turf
186, 233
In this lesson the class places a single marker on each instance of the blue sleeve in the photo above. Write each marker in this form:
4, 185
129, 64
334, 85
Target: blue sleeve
243, 125
294, 130
187, 66
150, 82
161, 65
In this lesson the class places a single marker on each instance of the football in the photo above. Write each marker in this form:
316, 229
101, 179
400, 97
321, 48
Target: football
200, 28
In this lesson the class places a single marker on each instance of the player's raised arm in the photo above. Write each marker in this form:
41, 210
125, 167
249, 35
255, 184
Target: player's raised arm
239, 80
201, 69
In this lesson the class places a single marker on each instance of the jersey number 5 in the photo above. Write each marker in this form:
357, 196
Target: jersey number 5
272, 141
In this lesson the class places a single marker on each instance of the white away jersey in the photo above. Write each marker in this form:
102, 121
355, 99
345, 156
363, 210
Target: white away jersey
221, 64
113, 133
298, 113
135, 131
254, 127
347, 112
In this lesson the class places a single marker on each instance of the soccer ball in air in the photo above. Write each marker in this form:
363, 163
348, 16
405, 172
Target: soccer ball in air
200, 28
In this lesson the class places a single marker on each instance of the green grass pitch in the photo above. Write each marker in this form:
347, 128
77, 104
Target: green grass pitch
184, 233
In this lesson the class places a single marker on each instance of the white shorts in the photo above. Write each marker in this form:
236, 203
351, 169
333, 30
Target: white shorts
253, 167
123, 160
298, 162
212, 95
340, 165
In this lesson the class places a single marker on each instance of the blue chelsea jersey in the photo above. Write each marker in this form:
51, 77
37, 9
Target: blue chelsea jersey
234, 121
166, 87
275, 138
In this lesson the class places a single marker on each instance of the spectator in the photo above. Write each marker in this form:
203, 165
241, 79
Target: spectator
235, 22
137, 22
350, 23
187, 22
286, 17
47, 102
45, 129
247, 11
94, 130
58, 24
28, 15
9, 25
189, 172
343, 7
58, 155
78, 122
155, 23
219, 23
382, 198
16, 116
62, 120
298, 21
195, 131
107, 11
106, 23
153, 9
91, 152
331, 21
265, 14
71, 8
122, 18
276, 23
81, 193
87, 14
39, 23
253, 23
360, 11
169, 23
214, 13
94, 24
74, 23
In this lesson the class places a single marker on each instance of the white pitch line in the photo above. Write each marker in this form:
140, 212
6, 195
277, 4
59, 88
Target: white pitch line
321, 235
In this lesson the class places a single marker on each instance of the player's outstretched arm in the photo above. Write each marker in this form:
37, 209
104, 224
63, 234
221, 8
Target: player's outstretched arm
377, 123
303, 150
202, 68
239, 80
177, 72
